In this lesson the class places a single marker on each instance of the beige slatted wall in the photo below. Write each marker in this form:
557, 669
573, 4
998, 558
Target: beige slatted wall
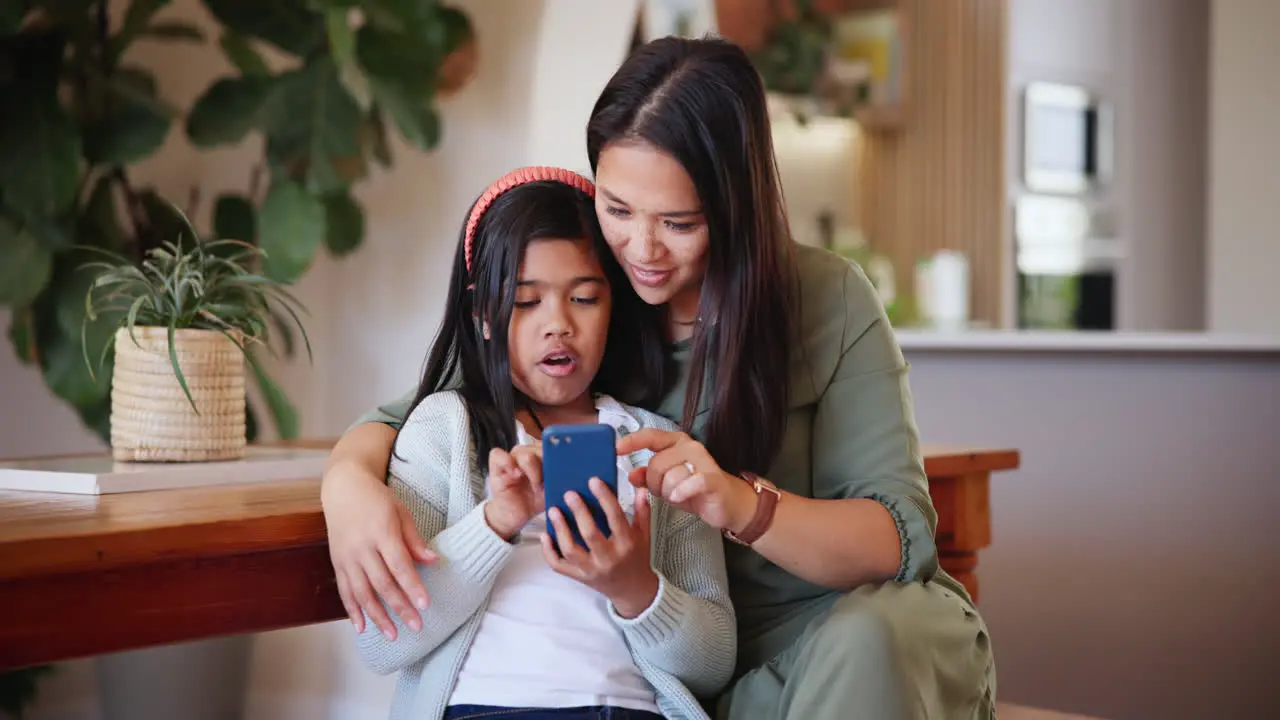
938, 180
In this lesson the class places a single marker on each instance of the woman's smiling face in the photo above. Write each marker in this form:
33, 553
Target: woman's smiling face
653, 220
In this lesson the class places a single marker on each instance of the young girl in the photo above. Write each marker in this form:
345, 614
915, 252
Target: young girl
625, 627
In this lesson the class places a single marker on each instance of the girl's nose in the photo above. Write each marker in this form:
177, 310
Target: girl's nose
558, 322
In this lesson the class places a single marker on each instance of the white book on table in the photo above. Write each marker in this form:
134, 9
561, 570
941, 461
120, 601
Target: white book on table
102, 475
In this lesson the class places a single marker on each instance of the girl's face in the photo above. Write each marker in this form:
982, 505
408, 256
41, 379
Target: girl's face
653, 221
560, 322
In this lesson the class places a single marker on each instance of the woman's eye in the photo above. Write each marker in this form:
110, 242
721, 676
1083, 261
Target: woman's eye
617, 211
586, 300
681, 227
525, 304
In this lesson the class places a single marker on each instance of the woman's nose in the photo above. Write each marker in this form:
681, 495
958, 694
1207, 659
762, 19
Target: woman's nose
645, 240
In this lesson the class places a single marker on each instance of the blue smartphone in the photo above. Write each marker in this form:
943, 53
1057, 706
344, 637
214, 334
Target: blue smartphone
571, 456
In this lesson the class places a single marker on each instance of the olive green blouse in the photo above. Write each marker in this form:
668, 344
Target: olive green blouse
850, 433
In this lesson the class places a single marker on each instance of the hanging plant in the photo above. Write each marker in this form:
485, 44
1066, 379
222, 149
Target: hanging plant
794, 56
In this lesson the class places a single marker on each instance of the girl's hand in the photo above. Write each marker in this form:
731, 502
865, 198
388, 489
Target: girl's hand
617, 566
374, 546
684, 474
515, 489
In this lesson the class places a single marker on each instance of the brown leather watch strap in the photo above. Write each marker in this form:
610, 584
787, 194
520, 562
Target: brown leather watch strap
767, 496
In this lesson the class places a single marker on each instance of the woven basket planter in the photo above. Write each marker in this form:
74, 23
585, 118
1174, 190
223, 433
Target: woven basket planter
151, 418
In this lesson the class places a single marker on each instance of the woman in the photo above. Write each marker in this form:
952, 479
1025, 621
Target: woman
803, 447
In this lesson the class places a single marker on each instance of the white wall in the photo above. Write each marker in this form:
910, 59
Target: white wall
1168, 102
1147, 59
542, 64
1244, 168
1134, 568
583, 43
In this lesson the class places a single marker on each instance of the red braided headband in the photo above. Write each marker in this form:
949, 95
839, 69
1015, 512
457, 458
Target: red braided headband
520, 176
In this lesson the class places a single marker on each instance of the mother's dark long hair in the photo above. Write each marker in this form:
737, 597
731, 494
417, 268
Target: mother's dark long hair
480, 369
702, 102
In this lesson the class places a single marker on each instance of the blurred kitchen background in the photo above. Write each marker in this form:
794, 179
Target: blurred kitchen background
1036, 164
1071, 209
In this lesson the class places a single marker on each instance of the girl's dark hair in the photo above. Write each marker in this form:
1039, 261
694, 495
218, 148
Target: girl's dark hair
481, 369
702, 102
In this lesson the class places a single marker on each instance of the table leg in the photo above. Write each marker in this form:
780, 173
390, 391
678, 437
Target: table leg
963, 503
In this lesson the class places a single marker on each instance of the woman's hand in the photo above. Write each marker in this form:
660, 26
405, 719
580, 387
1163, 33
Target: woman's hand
515, 489
684, 474
617, 566
373, 544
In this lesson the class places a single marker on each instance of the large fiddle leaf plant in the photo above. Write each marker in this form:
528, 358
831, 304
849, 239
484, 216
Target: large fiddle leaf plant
76, 113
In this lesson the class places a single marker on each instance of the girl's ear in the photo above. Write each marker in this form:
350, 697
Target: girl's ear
482, 327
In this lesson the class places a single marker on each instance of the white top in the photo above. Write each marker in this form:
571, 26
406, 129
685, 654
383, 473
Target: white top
546, 640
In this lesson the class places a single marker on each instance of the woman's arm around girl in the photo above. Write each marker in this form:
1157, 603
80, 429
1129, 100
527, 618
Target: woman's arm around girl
432, 475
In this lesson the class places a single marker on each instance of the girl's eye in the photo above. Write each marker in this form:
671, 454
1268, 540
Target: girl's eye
681, 227
617, 211
525, 304
586, 300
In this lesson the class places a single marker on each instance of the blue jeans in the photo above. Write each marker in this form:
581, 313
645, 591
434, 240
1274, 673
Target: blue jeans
492, 712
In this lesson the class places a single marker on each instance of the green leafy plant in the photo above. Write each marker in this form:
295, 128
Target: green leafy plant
76, 113
794, 55
198, 285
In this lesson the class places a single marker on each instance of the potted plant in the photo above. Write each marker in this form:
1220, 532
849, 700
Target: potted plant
321, 87
187, 318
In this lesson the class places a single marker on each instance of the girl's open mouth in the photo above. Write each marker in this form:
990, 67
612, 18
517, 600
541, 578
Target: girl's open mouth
559, 364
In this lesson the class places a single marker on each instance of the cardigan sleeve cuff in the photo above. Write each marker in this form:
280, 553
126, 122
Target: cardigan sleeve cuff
661, 621
472, 548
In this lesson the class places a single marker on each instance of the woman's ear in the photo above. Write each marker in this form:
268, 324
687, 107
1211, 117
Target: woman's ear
482, 327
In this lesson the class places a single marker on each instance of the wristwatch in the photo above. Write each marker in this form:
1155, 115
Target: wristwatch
768, 496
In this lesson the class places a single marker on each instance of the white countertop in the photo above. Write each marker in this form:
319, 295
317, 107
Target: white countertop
1052, 341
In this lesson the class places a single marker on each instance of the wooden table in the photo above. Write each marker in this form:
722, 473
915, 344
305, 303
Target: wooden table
85, 575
